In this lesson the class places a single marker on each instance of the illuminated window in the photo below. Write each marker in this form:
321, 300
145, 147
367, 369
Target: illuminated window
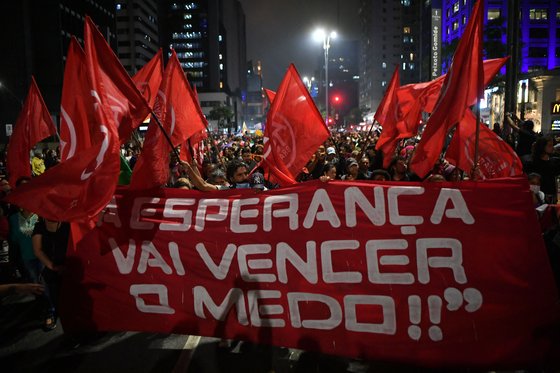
455, 7
412, 56
221, 85
406, 30
384, 65
187, 16
538, 14
455, 25
494, 13
464, 20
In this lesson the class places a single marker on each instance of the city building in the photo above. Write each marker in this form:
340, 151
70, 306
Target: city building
539, 54
255, 102
344, 57
35, 41
210, 41
137, 32
390, 37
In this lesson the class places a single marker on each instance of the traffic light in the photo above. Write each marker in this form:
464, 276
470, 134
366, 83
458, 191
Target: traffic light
337, 99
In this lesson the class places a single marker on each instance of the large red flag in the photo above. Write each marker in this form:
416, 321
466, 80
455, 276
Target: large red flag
181, 118
149, 78
422, 97
33, 125
75, 108
294, 129
127, 103
462, 86
79, 188
496, 157
387, 115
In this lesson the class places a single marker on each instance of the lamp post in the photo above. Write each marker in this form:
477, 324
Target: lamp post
321, 35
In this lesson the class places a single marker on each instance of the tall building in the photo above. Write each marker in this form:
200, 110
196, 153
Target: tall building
255, 102
390, 37
210, 41
137, 32
539, 25
539, 57
35, 41
344, 71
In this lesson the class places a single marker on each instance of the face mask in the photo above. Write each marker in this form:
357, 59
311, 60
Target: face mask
535, 188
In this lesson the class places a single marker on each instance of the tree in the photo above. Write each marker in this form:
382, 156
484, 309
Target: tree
222, 114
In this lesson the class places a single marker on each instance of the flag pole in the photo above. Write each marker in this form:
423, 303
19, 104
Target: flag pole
366, 144
474, 172
165, 134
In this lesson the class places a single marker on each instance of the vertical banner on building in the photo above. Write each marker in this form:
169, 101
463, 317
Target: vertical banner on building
435, 66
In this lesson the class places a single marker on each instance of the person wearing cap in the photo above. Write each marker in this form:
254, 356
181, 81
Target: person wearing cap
331, 154
352, 169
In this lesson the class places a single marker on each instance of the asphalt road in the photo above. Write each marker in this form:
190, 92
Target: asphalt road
26, 347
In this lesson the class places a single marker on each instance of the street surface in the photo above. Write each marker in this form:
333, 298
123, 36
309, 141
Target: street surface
25, 347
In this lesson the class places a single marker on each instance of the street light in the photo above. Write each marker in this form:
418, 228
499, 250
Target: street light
321, 35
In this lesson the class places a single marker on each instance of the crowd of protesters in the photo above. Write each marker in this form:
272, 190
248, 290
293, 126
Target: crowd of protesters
36, 247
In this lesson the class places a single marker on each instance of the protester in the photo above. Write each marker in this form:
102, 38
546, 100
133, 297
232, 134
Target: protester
37, 163
50, 240
546, 166
22, 222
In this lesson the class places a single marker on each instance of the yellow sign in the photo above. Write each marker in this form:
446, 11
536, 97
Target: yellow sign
555, 108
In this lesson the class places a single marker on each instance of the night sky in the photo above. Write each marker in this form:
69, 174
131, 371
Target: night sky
279, 32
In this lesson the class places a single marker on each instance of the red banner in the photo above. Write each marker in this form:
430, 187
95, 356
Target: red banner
440, 274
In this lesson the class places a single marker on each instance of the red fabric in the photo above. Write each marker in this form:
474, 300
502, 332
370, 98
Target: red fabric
496, 157
33, 125
195, 146
490, 303
422, 97
270, 95
387, 115
76, 106
462, 86
149, 77
77, 189
129, 108
181, 117
294, 130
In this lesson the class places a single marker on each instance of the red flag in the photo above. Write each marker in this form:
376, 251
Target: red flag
33, 125
76, 113
496, 157
127, 104
149, 78
181, 118
387, 115
294, 129
422, 97
270, 95
462, 86
79, 188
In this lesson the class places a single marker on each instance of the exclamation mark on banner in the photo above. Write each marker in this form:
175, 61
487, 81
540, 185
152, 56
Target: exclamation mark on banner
415, 312
434, 308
